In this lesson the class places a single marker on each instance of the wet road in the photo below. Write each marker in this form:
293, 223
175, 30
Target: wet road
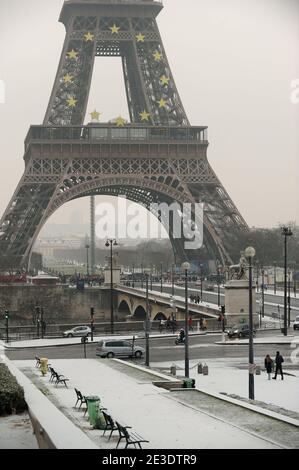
164, 350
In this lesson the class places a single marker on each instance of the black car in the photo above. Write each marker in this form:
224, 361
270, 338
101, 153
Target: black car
240, 331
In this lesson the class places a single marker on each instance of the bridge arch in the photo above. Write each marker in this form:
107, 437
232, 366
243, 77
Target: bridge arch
140, 313
124, 308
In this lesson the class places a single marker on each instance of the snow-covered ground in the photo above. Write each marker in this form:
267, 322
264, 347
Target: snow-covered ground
225, 377
16, 432
135, 401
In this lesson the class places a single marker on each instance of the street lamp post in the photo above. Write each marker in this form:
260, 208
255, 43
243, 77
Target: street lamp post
147, 320
286, 232
111, 243
289, 297
161, 267
151, 274
218, 285
172, 280
133, 276
6, 315
263, 292
249, 253
91, 322
141, 276
275, 277
87, 259
201, 282
186, 268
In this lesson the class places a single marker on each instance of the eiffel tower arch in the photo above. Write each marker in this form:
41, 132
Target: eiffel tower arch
157, 157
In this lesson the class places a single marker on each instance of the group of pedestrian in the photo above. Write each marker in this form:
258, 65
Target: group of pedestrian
195, 298
269, 365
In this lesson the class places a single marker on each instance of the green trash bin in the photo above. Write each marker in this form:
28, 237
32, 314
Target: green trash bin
189, 383
95, 414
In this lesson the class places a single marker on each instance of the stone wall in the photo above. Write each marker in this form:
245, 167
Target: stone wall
61, 303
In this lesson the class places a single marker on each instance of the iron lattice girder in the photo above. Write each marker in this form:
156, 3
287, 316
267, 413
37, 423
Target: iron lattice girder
142, 68
59, 170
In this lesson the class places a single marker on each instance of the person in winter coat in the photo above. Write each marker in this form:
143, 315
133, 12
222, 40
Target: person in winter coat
278, 361
269, 365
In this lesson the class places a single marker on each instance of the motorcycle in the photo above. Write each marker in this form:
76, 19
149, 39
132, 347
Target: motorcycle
179, 340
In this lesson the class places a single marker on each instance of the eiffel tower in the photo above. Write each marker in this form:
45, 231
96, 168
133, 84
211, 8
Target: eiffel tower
157, 157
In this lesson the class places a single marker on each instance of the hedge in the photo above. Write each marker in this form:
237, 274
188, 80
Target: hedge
11, 393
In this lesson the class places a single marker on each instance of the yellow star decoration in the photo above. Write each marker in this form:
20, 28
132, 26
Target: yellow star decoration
72, 54
88, 36
114, 29
120, 122
95, 116
162, 103
157, 56
72, 102
164, 80
68, 78
140, 37
144, 116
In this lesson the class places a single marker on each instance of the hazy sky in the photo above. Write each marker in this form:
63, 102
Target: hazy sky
233, 62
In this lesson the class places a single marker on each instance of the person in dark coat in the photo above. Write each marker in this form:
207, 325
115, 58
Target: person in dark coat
278, 361
269, 365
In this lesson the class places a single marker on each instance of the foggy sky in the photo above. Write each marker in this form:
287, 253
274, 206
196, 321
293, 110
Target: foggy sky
233, 62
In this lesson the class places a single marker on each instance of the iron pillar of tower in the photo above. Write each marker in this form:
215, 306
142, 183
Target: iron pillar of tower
159, 157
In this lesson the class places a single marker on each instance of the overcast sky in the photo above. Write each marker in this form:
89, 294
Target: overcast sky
233, 62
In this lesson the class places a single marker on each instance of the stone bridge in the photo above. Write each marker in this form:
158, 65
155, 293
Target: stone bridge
131, 303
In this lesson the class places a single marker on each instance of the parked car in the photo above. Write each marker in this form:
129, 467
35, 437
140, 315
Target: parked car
239, 331
77, 331
111, 348
296, 323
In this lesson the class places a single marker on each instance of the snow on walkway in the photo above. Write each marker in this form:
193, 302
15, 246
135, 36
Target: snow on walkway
223, 377
135, 401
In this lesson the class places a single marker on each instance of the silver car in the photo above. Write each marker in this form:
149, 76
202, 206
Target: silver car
77, 331
111, 348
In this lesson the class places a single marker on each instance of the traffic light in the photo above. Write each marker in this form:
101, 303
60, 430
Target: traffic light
223, 309
6, 314
91, 311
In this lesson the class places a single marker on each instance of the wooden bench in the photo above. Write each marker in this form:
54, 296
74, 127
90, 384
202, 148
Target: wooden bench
53, 374
131, 438
60, 379
110, 424
80, 399
37, 364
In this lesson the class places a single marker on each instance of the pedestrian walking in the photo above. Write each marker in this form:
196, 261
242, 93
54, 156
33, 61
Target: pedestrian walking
269, 365
190, 323
161, 325
278, 361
